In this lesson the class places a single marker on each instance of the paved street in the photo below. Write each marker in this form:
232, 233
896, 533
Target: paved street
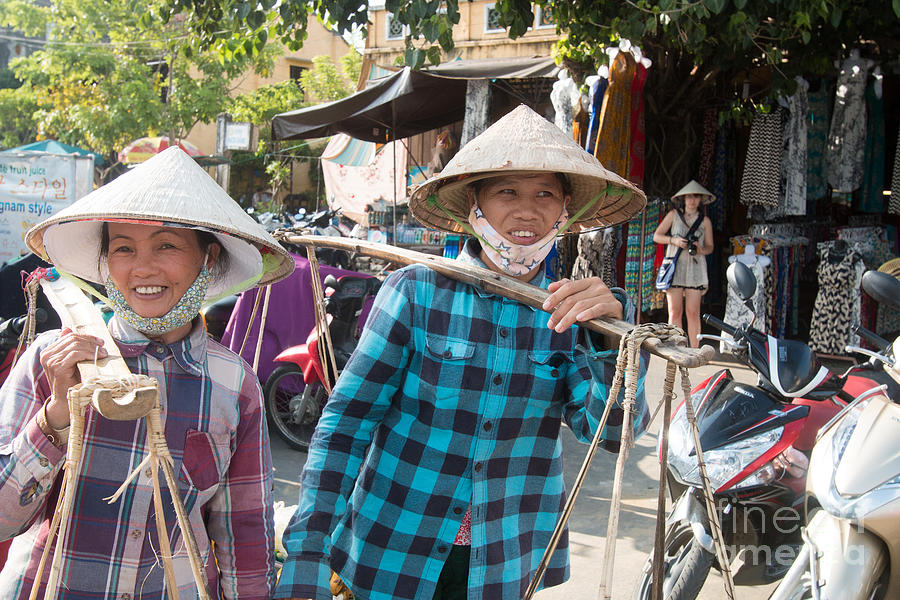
589, 518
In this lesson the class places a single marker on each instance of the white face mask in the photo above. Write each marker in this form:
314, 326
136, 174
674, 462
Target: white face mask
513, 259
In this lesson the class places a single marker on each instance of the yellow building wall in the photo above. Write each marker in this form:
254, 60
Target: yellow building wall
320, 41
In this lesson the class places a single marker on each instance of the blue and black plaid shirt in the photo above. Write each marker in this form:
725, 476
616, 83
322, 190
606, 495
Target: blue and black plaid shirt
453, 398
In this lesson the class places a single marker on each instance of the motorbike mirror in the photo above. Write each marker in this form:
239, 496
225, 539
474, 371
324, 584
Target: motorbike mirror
741, 278
884, 288
331, 281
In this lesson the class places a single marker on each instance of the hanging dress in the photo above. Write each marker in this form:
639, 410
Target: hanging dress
795, 153
761, 180
847, 136
837, 302
816, 143
613, 138
872, 197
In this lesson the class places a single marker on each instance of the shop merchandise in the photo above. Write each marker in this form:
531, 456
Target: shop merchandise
847, 135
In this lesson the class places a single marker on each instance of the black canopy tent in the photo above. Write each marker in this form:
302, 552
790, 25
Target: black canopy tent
406, 102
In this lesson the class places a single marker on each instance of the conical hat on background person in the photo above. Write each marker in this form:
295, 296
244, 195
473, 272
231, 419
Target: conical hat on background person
693, 187
525, 142
169, 189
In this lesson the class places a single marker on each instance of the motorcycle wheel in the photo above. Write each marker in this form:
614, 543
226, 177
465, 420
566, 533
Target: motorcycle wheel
293, 409
686, 565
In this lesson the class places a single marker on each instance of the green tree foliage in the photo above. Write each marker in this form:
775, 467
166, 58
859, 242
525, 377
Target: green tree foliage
18, 126
324, 82
112, 72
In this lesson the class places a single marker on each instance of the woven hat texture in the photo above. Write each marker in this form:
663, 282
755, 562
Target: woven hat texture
170, 188
525, 142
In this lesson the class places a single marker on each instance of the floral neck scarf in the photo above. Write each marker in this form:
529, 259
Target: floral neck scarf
513, 259
187, 307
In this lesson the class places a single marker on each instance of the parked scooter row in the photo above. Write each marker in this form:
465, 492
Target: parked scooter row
756, 441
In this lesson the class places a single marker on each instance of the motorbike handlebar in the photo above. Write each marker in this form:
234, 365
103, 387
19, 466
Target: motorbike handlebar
719, 324
876, 340
11, 329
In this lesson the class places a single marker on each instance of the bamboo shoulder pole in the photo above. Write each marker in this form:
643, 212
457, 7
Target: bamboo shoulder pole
497, 283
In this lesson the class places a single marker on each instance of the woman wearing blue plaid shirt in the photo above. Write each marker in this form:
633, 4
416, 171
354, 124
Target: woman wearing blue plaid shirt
436, 468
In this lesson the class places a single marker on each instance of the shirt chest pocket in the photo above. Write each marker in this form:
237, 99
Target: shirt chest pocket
205, 460
447, 365
548, 369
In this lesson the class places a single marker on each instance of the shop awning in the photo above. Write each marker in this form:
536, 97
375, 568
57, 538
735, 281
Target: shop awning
404, 103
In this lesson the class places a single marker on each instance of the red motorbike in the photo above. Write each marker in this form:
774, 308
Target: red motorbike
756, 442
294, 392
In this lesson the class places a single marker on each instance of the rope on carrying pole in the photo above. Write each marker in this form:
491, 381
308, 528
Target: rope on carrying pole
262, 328
324, 348
257, 294
627, 368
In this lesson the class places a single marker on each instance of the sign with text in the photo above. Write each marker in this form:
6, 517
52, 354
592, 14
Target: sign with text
34, 186
238, 135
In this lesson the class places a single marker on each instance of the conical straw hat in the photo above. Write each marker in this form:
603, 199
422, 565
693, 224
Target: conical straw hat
172, 189
525, 142
693, 187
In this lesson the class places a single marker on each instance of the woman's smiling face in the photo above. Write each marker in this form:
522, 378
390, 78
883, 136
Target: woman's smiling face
522, 208
153, 266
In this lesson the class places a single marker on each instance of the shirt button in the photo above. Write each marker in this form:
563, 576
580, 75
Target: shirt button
126, 596
458, 510
43, 462
447, 354
136, 533
442, 549
554, 373
148, 472
503, 332
487, 426
498, 380
478, 467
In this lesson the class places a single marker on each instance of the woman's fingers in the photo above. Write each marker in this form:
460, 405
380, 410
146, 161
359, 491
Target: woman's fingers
60, 359
579, 300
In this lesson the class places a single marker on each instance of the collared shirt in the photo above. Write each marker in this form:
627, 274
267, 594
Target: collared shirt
453, 398
212, 413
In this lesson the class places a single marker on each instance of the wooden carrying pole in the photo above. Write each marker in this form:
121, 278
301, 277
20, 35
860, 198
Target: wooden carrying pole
497, 283
116, 394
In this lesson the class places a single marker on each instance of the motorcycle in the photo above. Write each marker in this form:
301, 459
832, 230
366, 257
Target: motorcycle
294, 393
851, 546
755, 441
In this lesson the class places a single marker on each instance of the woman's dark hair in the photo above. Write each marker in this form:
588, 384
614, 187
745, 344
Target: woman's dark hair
204, 239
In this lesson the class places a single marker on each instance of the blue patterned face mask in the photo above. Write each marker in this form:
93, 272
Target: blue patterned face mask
187, 307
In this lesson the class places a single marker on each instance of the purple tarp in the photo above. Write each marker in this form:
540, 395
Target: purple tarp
290, 318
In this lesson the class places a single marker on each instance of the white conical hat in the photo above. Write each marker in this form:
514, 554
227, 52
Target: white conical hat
525, 142
694, 187
172, 189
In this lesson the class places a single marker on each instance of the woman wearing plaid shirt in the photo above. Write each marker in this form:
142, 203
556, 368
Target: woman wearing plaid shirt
436, 468
135, 235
